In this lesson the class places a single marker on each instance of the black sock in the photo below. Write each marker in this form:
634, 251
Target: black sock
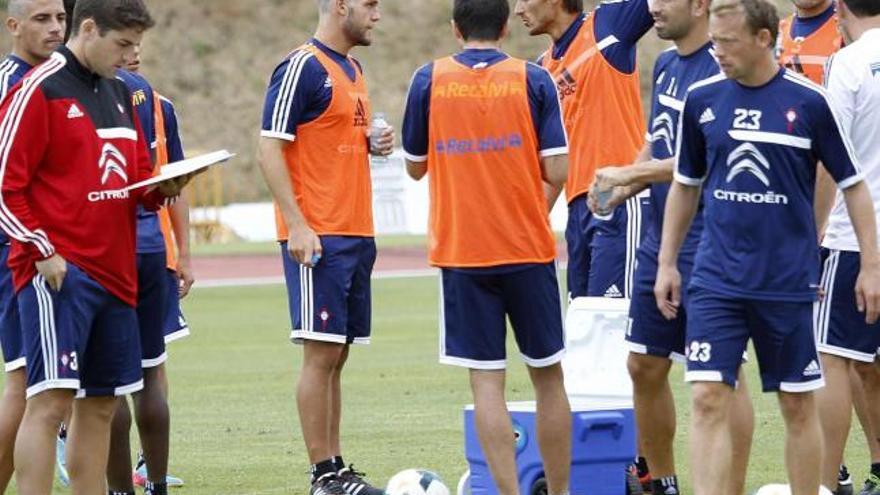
322, 468
338, 462
665, 486
141, 461
111, 492
641, 466
875, 468
151, 488
62, 432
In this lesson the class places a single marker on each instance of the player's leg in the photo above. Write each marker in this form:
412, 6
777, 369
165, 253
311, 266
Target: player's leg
834, 403
788, 358
52, 344
12, 408
654, 344
844, 342
473, 329
336, 410
88, 444
717, 334
803, 442
531, 300
494, 429
742, 426
12, 402
869, 377
35, 443
154, 425
119, 462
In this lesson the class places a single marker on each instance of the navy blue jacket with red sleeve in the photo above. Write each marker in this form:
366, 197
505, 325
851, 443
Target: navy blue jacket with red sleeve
69, 145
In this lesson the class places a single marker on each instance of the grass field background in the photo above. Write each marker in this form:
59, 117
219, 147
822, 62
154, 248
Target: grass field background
234, 423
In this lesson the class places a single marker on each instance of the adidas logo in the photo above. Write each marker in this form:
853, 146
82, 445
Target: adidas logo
74, 112
613, 291
812, 369
708, 116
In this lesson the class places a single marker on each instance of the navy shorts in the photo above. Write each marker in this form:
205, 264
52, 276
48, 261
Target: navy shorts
10, 325
331, 302
475, 306
649, 331
719, 328
602, 250
80, 338
152, 307
840, 328
176, 326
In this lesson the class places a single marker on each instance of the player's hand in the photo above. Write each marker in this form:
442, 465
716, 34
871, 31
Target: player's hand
667, 291
608, 177
619, 194
185, 276
868, 292
53, 269
382, 145
172, 187
304, 246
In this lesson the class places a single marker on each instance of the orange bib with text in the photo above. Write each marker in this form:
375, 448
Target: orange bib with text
329, 163
487, 199
809, 55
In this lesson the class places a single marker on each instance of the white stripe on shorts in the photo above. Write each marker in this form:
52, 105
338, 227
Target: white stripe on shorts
633, 230
822, 308
48, 339
306, 300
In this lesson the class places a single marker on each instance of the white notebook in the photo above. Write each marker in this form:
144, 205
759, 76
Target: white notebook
183, 167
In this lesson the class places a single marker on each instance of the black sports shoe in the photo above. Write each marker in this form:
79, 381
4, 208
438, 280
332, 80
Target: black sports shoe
844, 482
354, 484
329, 484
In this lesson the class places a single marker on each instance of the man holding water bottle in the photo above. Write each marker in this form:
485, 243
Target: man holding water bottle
314, 153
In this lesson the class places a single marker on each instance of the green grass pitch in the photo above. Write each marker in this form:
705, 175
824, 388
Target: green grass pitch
234, 424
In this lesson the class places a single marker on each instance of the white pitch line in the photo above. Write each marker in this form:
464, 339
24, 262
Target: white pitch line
279, 280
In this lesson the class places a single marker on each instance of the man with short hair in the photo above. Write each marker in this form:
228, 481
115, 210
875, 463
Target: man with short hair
845, 340
314, 154
37, 29
76, 280
483, 153
593, 60
751, 139
654, 341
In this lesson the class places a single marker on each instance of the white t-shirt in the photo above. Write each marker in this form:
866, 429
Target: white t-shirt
853, 82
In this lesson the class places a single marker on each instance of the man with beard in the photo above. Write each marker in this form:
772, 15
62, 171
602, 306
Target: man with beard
314, 154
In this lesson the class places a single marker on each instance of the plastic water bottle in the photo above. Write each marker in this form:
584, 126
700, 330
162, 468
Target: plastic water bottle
604, 198
377, 125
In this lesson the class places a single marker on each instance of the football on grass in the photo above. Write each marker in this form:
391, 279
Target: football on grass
416, 482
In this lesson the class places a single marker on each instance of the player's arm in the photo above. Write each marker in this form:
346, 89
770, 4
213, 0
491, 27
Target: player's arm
415, 123
546, 112
26, 142
627, 181
179, 211
681, 207
832, 145
620, 25
826, 193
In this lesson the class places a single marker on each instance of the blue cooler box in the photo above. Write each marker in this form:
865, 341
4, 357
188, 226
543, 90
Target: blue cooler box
603, 445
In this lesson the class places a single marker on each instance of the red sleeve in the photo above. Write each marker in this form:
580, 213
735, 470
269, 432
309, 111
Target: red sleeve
24, 139
150, 198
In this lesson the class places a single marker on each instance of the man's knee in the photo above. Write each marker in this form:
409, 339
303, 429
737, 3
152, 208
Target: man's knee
867, 372
647, 370
323, 356
797, 408
710, 401
49, 407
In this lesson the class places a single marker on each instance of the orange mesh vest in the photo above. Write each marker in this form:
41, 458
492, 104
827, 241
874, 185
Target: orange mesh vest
162, 159
808, 55
329, 162
487, 200
601, 107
